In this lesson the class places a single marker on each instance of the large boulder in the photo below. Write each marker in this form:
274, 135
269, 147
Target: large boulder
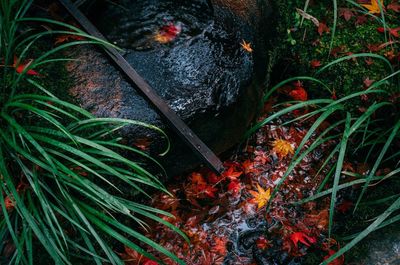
204, 74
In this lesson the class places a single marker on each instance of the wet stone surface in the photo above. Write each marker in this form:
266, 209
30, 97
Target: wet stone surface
383, 248
202, 72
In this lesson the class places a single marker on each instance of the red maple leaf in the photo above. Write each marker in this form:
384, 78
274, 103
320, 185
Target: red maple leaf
150, 262
235, 187
168, 33
197, 178
299, 93
337, 261
315, 63
303, 238
346, 13
20, 67
394, 32
323, 28
394, 6
209, 191
232, 173
219, 246
368, 82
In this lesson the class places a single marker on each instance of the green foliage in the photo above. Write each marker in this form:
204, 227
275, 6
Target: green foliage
61, 169
370, 135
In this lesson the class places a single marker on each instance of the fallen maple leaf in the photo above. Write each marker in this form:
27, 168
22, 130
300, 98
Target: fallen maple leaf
337, 261
394, 32
150, 262
143, 143
131, 256
299, 93
20, 67
362, 19
231, 173
303, 238
261, 196
346, 13
246, 46
219, 246
394, 6
282, 148
65, 38
168, 33
374, 7
319, 220
197, 178
210, 191
323, 28
368, 82
9, 203
235, 187
263, 243
315, 63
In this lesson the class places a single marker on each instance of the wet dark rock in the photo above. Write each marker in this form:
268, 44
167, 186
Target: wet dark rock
381, 248
204, 74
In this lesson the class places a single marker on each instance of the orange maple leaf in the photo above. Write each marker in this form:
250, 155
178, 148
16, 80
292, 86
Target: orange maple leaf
246, 46
261, 197
374, 7
231, 173
282, 148
66, 38
10, 203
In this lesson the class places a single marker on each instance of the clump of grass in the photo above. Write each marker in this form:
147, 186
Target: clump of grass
61, 169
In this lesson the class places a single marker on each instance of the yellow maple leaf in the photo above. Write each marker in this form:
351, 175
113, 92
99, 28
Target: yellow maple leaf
282, 148
246, 46
374, 8
261, 197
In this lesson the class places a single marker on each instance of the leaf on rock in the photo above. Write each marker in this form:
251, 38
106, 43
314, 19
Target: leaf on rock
246, 46
168, 33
